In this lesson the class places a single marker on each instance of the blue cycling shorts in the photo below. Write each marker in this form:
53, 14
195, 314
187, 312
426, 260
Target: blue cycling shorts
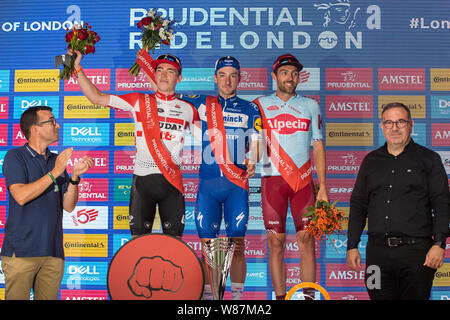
215, 195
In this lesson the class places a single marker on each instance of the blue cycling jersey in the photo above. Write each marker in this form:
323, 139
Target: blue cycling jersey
239, 119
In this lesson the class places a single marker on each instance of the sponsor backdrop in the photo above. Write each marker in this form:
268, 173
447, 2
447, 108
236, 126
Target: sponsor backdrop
358, 56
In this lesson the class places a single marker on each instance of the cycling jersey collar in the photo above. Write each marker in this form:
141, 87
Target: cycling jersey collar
162, 96
225, 102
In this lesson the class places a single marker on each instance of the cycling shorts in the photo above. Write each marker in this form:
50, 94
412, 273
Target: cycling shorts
146, 193
213, 194
275, 197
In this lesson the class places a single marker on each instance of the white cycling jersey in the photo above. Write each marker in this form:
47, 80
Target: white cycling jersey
175, 116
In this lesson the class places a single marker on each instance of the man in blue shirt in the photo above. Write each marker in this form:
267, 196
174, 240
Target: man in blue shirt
39, 189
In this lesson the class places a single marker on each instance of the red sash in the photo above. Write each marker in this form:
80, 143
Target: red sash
217, 138
144, 60
159, 152
297, 178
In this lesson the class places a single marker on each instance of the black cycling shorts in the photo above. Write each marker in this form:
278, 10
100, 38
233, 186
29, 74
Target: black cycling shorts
146, 193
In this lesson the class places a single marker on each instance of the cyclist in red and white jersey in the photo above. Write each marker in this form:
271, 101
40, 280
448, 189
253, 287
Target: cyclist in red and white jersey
290, 122
160, 121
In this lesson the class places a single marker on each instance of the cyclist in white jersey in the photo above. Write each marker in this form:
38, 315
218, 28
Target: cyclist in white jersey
294, 122
152, 184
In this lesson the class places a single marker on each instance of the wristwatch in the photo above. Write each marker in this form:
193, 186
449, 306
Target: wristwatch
74, 182
441, 244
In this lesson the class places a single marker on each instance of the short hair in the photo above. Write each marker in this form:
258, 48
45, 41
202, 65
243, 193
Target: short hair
29, 117
396, 105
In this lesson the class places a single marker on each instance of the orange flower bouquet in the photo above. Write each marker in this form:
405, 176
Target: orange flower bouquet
325, 219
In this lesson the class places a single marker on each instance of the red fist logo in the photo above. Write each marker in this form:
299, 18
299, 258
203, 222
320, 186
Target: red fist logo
155, 273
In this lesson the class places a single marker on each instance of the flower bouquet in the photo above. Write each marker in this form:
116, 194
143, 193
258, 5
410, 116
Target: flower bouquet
80, 38
325, 219
155, 30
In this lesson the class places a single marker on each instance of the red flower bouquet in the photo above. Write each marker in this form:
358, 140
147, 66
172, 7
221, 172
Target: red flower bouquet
82, 39
156, 30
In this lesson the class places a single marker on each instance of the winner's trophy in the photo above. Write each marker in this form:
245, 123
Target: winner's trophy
218, 254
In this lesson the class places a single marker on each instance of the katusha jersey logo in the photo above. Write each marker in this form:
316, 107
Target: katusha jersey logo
288, 124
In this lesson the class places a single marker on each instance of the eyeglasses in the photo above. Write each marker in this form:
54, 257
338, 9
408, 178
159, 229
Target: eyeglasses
52, 121
388, 124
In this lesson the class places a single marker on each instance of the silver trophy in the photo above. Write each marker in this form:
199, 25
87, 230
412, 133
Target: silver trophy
218, 255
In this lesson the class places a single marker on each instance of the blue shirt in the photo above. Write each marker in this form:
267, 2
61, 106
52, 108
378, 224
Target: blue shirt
34, 229
240, 117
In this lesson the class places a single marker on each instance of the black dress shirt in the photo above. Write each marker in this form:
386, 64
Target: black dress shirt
404, 195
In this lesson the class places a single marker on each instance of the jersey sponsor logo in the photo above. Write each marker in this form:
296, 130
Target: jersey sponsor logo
235, 119
288, 124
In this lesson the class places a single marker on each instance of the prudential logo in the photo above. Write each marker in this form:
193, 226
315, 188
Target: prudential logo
86, 134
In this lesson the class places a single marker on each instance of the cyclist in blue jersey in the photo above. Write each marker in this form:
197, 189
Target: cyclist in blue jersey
217, 194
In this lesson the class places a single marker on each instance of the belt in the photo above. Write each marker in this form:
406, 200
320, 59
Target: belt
396, 241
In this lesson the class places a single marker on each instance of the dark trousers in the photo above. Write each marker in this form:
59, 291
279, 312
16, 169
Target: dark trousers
401, 271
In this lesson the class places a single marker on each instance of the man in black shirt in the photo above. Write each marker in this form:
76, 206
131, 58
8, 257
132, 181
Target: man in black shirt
402, 189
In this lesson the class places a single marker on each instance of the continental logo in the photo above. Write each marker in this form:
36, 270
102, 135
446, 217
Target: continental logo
440, 79
416, 104
80, 107
442, 276
124, 134
349, 134
121, 218
86, 245
36, 80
